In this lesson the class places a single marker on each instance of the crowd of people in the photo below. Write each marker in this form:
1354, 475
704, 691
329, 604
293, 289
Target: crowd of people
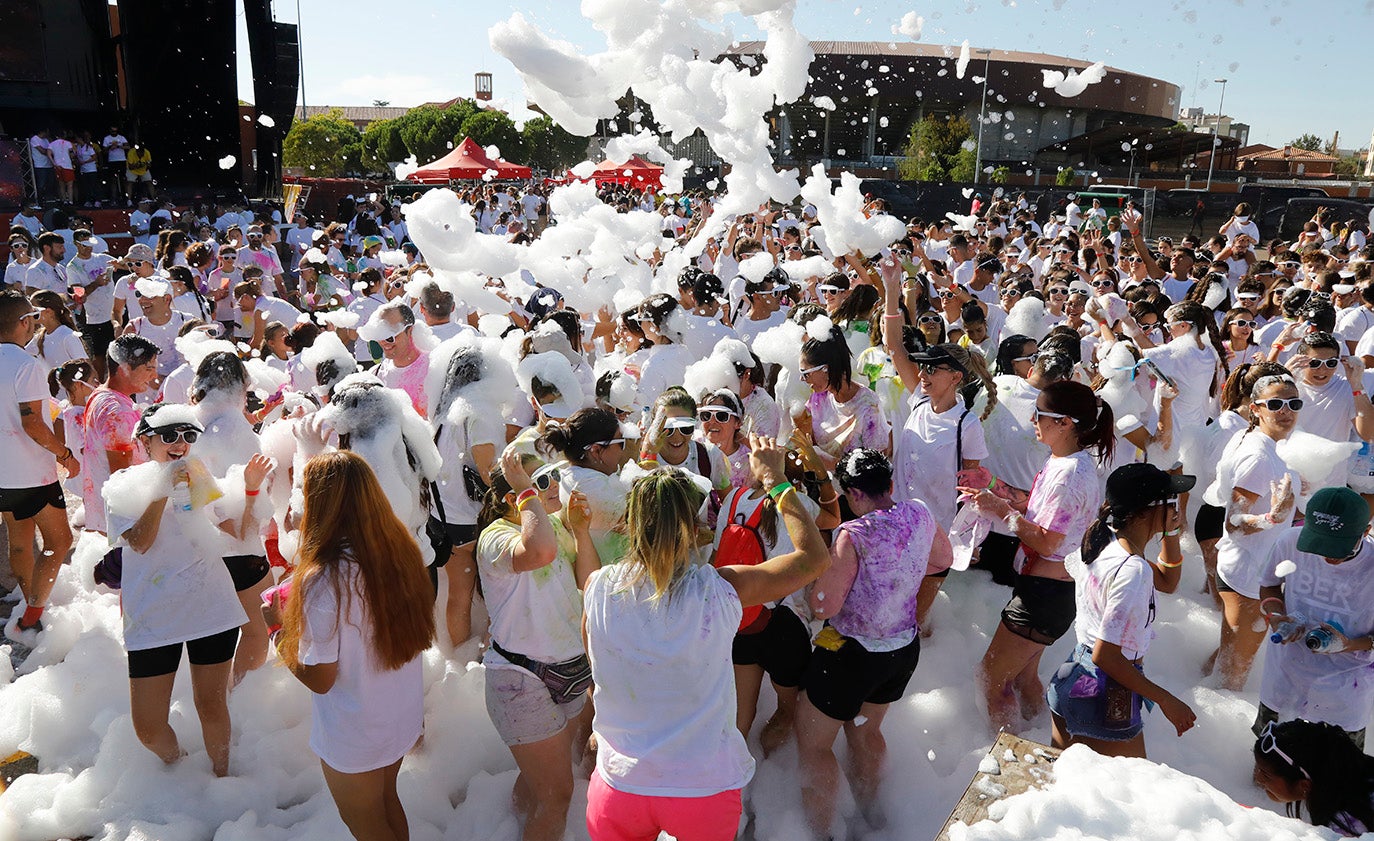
299, 442
72, 167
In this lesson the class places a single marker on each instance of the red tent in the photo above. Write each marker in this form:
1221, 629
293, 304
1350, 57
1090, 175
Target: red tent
467, 161
636, 172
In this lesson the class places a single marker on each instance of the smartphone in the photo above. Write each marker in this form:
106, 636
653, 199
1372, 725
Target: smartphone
1149, 363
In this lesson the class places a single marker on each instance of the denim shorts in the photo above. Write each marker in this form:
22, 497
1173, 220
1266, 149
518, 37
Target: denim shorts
1074, 696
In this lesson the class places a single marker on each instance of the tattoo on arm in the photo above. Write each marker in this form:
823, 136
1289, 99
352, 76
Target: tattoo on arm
25, 409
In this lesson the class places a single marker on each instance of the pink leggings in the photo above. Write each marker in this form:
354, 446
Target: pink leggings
618, 816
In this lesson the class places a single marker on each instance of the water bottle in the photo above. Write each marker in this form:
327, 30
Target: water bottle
1284, 630
1360, 475
1320, 639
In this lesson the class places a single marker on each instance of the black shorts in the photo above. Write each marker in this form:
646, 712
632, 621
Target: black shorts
839, 683
1041, 609
247, 570
24, 503
1223, 587
782, 648
461, 535
166, 659
97, 338
1209, 523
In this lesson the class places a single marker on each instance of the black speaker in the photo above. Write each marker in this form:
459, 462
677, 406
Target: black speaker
179, 57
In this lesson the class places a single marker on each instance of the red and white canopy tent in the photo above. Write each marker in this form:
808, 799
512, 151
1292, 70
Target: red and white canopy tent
636, 172
466, 162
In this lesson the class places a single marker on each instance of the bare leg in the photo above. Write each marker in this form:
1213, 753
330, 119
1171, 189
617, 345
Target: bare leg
1059, 732
461, 570
820, 769
210, 688
783, 722
748, 682
1240, 641
362, 801
252, 648
1007, 657
925, 599
1209, 563
544, 789
867, 754
150, 705
1030, 690
37, 575
395, 811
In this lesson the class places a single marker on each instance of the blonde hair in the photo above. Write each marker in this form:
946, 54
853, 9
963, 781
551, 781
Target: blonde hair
661, 527
977, 367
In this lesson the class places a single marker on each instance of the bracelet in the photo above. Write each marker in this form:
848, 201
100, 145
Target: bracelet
992, 483
1280, 347
274, 636
892, 315
777, 500
247, 492
1174, 565
67, 456
1357, 392
779, 489
525, 496
1172, 532
650, 457
834, 498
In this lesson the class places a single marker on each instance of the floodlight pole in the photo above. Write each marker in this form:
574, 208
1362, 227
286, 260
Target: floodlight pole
1216, 124
982, 116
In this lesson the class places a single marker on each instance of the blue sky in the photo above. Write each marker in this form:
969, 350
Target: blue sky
1290, 70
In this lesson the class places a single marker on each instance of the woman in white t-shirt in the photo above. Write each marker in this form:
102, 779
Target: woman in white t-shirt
669, 754
58, 343
176, 591
356, 619
1095, 696
534, 556
1263, 494
1334, 407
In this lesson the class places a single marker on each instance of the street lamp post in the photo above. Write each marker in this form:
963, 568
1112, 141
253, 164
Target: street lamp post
1212, 158
982, 116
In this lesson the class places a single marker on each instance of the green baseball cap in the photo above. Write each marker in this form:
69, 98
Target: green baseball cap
1334, 522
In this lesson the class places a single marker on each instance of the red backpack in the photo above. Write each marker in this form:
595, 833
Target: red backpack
742, 545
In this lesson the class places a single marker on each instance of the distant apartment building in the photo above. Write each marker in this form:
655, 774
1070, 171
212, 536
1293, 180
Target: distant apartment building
1223, 124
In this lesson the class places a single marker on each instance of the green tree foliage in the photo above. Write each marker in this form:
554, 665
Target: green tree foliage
1000, 175
1309, 141
934, 151
1065, 177
382, 145
430, 132
487, 128
326, 145
549, 146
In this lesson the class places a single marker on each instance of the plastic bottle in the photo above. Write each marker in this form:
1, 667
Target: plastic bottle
1284, 630
1320, 639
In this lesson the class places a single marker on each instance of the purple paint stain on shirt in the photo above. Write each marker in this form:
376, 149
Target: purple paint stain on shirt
893, 547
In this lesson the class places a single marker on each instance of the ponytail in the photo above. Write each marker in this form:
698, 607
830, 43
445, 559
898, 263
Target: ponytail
1092, 417
1098, 536
978, 377
1102, 436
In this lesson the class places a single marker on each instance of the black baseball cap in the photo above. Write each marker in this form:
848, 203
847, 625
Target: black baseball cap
939, 355
1140, 485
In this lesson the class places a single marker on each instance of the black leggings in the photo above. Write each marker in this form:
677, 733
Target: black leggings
166, 659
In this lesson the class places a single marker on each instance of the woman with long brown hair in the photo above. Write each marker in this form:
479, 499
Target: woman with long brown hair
352, 630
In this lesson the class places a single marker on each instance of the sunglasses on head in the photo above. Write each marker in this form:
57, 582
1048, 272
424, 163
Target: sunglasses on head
718, 414
1269, 744
171, 436
1273, 404
1332, 363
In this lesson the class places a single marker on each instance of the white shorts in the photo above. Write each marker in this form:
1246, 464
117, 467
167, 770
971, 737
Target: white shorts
521, 708
147, 176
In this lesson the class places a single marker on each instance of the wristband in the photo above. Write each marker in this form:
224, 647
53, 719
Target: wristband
1174, 565
779, 489
834, 498
892, 315
1357, 392
1280, 347
777, 500
1012, 519
274, 635
525, 496
1172, 532
247, 492
992, 483
650, 457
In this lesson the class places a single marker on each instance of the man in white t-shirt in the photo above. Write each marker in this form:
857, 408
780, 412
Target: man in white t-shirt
140, 221
40, 154
115, 146
48, 271
91, 281
1073, 215
299, 238
30, 495
31, 217
61, 150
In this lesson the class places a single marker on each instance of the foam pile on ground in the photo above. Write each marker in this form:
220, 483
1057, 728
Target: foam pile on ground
1132, 800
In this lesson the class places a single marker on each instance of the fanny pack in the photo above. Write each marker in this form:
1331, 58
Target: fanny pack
565, 680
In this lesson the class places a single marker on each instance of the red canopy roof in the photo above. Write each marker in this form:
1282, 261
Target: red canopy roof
635, 172
467, 161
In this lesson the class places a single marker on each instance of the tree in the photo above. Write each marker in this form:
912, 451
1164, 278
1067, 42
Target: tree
1000, 175
326, 145
1309, 141
549, 146
493, 128
935, 150
1065, 177
382, 145
430, 132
